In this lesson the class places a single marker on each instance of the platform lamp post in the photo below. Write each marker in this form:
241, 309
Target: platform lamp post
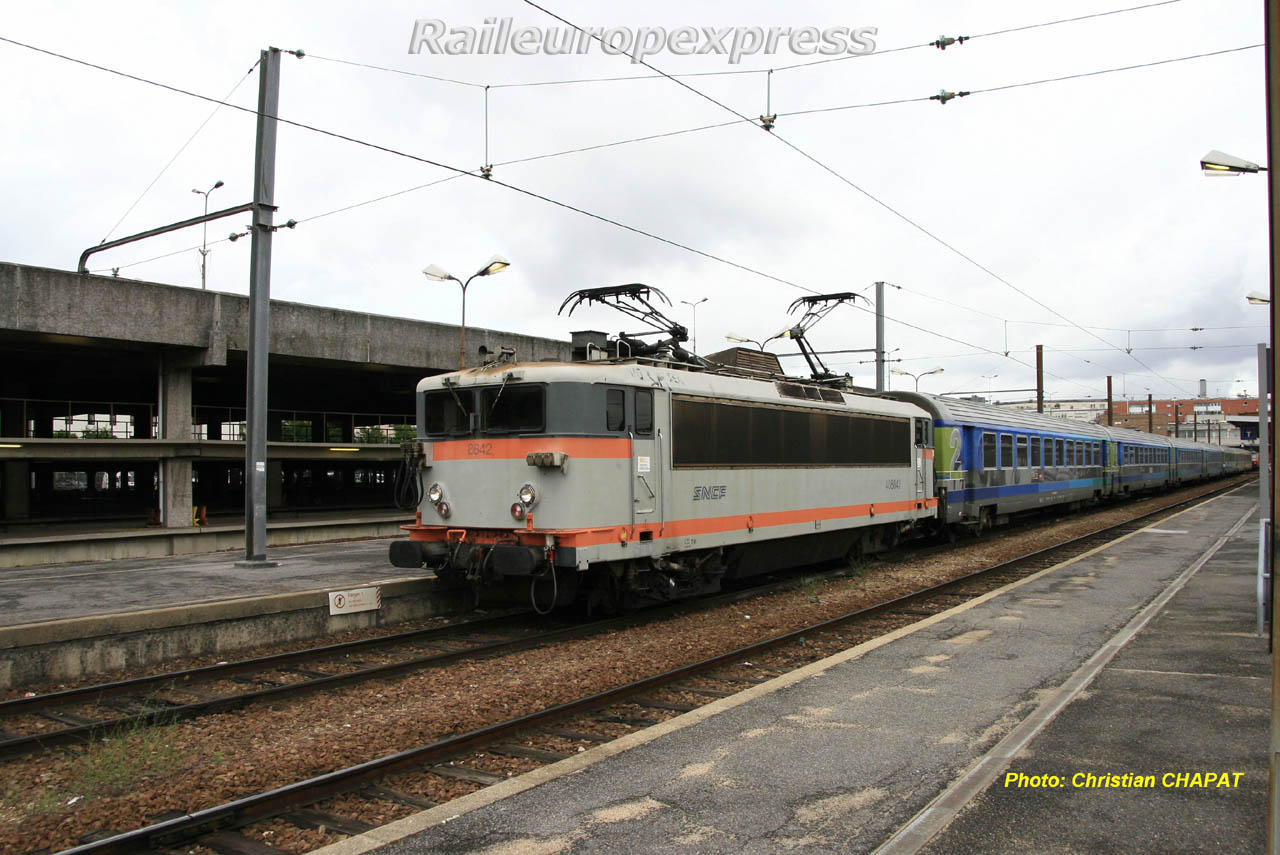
990, 378
916, 377
742, 339
693, 329
497, 264
1217, 163
204, 238
1257, 298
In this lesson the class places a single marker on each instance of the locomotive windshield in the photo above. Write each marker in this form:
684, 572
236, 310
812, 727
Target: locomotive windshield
506, 408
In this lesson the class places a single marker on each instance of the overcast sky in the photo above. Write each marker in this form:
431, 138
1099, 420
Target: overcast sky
1065, 214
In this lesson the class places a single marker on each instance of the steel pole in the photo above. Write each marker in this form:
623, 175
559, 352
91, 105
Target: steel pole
879, 336
204, 241
1271, 25
462, 338
255, 447
1039, 378
1264, 485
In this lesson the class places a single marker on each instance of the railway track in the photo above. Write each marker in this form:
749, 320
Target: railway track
586, 720
76, 716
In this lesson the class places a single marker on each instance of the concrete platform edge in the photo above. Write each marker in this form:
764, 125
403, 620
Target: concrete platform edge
80, 647
68, 548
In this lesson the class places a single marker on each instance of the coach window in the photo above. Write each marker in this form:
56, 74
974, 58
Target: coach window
1022, 453
989, 451
1006, 451
615, 410
1079, 452
1036, 460
644, 411
1070, 459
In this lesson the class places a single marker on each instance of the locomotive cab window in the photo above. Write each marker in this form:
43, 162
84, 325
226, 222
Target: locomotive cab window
924, 433
644, 411
449, 411
513, 409
615, 411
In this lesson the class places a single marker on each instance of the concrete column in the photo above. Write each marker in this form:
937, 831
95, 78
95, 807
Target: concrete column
175, 424
17, 490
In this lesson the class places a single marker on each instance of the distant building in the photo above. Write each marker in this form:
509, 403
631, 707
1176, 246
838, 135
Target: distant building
1229, 421
1081, 409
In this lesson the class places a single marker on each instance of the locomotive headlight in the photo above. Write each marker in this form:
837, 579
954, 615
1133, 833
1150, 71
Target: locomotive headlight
517, 511
435, 493
443, 509
527, 495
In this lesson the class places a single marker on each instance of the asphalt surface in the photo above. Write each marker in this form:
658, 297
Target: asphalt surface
64, 591
841, 756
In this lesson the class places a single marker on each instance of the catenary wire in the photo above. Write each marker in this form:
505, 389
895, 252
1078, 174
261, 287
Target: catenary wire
743, 71
956, 250
178, 153
459, 172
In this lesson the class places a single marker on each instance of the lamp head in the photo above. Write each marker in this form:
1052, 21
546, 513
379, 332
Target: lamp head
1219, 163
1257, 298
216, 186
497, 264
438, 273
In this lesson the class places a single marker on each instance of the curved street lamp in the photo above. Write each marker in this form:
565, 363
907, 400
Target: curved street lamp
1217, 163
693, 344
497, 264
916, 377
742, 339
204, 238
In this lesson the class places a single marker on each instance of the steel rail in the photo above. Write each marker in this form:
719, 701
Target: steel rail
167, 713
265, 805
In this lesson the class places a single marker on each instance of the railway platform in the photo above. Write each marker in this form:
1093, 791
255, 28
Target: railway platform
67, 621
1118, 702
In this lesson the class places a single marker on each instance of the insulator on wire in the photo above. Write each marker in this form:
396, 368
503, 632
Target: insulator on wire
944, 96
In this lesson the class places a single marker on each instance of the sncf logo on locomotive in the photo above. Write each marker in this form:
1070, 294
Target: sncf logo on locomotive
717, 491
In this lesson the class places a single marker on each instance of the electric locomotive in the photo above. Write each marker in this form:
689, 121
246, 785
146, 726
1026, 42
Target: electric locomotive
642, 474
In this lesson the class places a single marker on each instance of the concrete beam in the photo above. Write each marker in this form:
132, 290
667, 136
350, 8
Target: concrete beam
39, 300
160, 449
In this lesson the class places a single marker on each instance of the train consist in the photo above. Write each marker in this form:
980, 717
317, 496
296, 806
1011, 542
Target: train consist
641, 473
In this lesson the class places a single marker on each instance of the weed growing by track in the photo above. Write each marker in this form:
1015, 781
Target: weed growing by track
114, 764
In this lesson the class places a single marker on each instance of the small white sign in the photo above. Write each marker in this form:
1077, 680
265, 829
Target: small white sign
260, 466
355, 600
642, 465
